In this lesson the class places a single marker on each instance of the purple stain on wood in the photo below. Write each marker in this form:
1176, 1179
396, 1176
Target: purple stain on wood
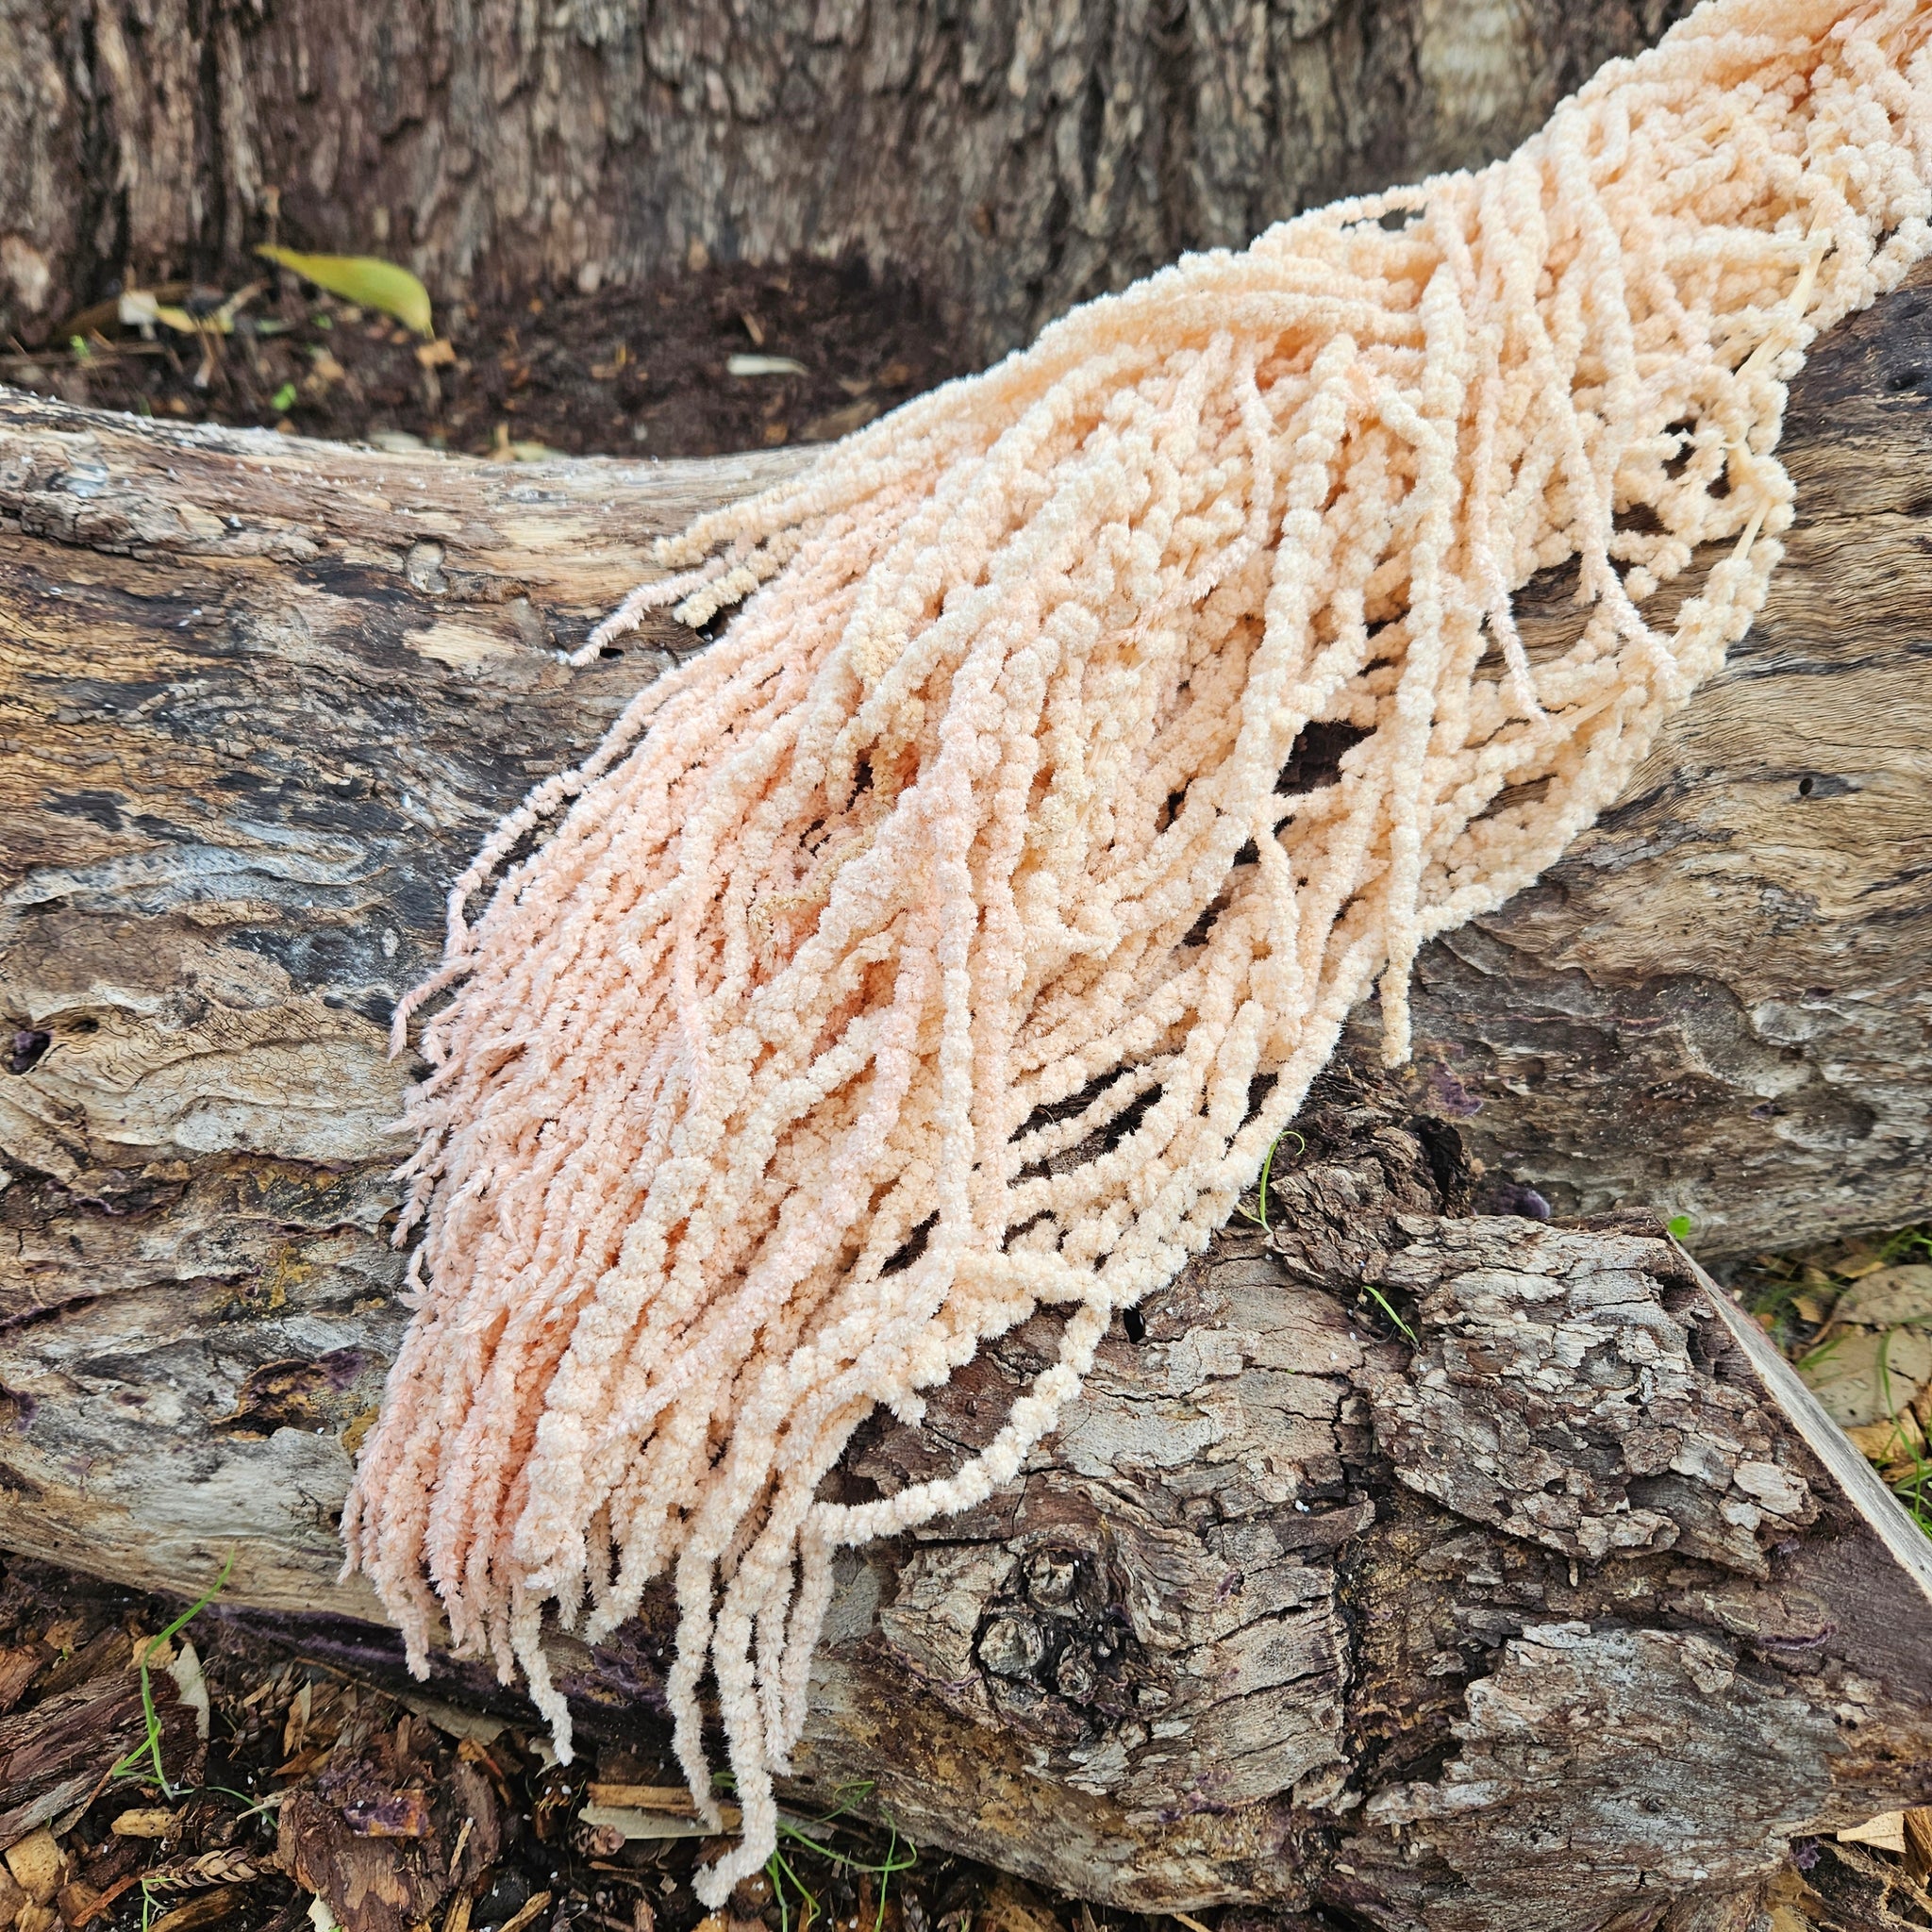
396, 1814
1449, 1095
24, 1051
1512, 1197
342, 1365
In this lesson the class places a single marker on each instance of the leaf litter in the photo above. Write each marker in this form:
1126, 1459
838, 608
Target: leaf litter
314, 1801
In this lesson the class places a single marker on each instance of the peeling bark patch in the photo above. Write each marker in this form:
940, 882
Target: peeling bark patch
1590, 1764
1556, 1396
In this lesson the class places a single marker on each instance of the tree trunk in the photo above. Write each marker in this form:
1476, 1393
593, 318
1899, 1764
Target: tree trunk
1287, 1612
1013, 157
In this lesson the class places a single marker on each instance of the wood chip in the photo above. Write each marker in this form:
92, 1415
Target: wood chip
104, 1899
38, 1865
1918, 1835
146, 1821
642, 1797
210, 1908
531, 1907
19, 1667
1012, 1906
1887, 1831
79, 1901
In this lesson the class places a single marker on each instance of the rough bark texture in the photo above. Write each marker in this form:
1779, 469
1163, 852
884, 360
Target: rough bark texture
1286, 1614
1715, 1003
1013, 156
50, 1756
1579, 1607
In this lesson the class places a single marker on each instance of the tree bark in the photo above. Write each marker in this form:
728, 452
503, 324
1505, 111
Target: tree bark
1289, 1612
1013, 157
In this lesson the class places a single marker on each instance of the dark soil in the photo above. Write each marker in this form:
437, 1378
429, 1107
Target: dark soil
625, 372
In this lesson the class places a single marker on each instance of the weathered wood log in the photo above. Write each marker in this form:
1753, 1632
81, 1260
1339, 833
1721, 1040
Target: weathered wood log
1575, 1613
1579, 1606
274, 690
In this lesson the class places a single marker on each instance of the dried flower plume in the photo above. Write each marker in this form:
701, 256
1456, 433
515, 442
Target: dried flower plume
941, 943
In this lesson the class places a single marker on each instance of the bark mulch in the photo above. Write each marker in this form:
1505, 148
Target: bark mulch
272, 1794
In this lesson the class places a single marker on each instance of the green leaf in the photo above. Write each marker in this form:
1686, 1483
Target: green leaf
362, 279
283, 400
1678, 1227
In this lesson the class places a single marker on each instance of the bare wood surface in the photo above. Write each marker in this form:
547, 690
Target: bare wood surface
271, 693
1283, 1614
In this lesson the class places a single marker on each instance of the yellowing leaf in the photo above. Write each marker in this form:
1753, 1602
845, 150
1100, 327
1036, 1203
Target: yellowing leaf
183, 323
364, 279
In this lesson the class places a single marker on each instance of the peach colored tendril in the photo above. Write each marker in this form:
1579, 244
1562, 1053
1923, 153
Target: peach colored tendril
778, 1077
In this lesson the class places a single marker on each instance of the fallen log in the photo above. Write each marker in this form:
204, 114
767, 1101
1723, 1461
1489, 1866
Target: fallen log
1574, 1608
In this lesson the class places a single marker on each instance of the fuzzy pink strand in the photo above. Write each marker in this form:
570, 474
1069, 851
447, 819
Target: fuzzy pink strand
938, 945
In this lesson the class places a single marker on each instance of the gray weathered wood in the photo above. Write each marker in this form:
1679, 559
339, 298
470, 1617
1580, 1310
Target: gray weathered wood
320, 674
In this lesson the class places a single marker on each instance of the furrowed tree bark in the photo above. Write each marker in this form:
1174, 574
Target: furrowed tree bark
1570, 1616
1014, 156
